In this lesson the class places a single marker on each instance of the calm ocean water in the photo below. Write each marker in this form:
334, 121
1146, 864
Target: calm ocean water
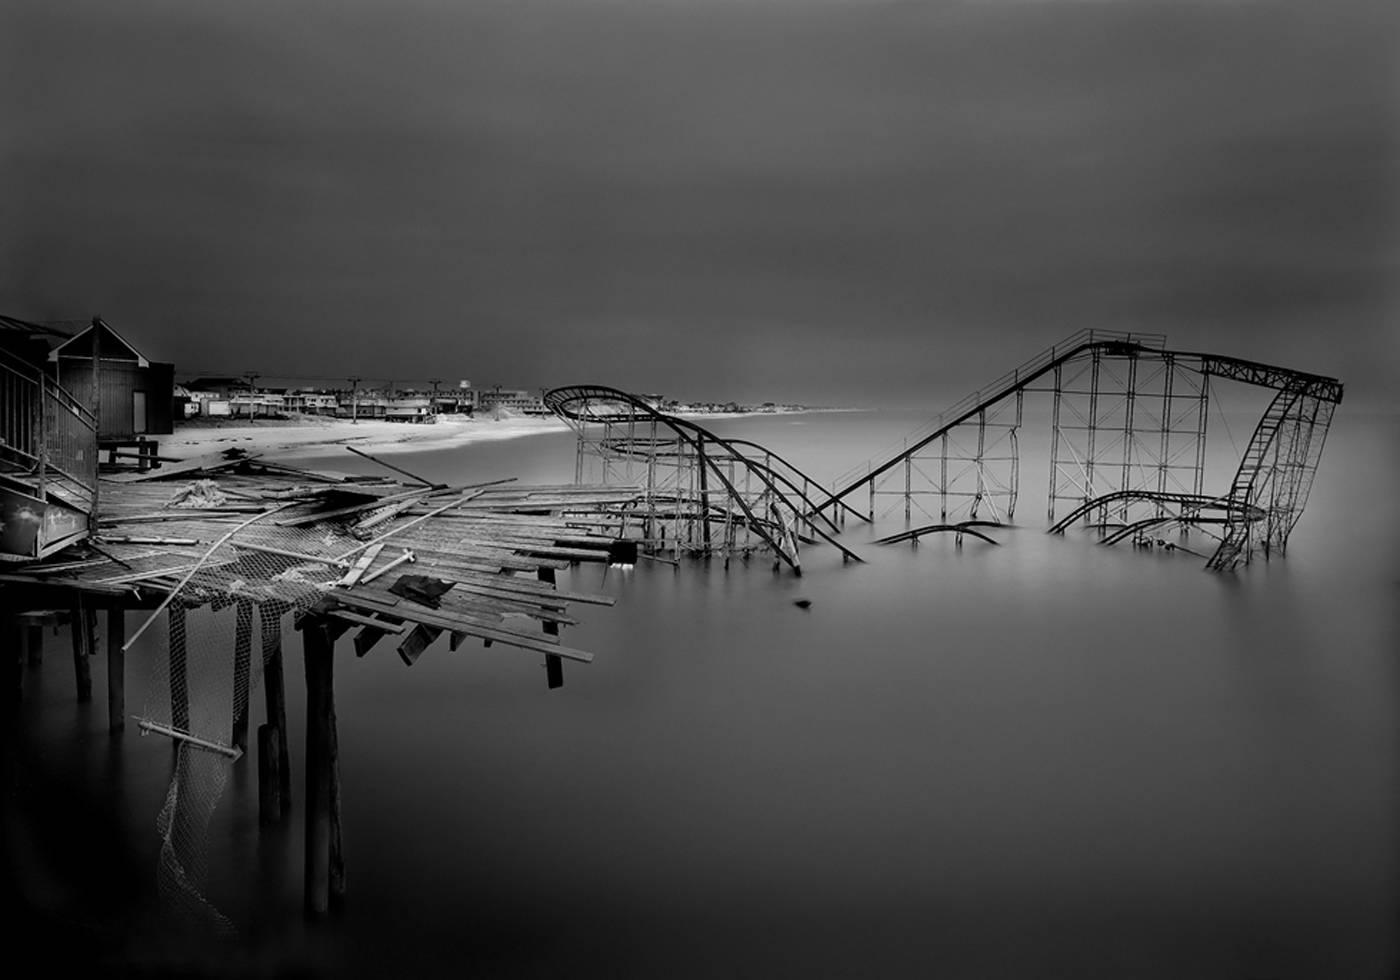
1043, 759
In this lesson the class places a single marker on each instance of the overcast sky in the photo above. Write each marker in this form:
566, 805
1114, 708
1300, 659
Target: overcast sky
829, 200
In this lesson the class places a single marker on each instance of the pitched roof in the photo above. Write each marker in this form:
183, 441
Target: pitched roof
111, 345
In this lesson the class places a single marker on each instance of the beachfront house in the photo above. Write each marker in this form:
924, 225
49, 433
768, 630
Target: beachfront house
366, 403
513, 399
310, 401
410, 408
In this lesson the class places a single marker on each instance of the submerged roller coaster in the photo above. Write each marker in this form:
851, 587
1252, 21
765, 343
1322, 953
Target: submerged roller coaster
1126, 454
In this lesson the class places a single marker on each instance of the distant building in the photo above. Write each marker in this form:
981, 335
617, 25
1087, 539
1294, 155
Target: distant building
257, 403
513, 399
411, 408
308, 401
216, 387
363, 404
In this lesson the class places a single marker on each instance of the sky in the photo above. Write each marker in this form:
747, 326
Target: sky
834, 201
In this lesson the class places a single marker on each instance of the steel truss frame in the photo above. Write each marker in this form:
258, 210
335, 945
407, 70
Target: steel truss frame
1127, 454
701, 494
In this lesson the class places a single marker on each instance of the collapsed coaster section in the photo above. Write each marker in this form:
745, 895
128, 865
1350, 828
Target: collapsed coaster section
700, 493
1127, 429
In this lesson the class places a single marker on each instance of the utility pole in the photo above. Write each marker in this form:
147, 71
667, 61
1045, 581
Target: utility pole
248, 378
432, 403
354, 401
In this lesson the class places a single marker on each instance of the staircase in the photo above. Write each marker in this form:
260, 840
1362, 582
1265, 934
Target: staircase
1234, 545
48, 463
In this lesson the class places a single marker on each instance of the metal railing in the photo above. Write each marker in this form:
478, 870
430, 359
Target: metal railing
48, 438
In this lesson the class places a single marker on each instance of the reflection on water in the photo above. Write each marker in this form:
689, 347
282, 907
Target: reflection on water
1042, 758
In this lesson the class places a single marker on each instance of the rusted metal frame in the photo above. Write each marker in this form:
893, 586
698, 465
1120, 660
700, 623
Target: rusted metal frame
1180, 499
1155, 521
806, 479
1202, 416
1129, 397
1238, 537
961, 528
1169, 361
1012, 383
1270, 376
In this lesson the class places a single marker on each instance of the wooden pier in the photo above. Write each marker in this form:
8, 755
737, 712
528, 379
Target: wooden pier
370, 557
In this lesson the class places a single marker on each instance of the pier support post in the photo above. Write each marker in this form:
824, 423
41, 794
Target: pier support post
269, 774
32, 638
319, 655
275, 700
82, 670
116, 670
242, 669
11, 638
336, 869
553, 666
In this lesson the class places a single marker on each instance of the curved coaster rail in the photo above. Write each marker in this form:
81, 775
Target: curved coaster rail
702, 494
1127, 453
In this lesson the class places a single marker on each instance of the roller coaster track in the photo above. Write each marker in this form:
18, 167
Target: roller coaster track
1187, 501
1128, 434
777, 511
1085, 342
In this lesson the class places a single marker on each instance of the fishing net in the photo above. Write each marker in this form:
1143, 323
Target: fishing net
223, 627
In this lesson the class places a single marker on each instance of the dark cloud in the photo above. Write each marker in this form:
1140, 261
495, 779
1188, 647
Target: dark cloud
805, 200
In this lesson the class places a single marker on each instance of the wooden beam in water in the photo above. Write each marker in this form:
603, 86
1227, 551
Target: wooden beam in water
275, 699
32, 636
319, 656
430, 617
269, 774
12, 637
413, 645
553, 665
335, 871
82, 671
116, 670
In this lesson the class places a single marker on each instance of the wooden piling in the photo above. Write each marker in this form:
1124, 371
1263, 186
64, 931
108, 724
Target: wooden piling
90, 623
116, 670
33, 639
275, 699
11, 637
82, 670
336, 869
242, 668
554, 666
269, 774
319, 656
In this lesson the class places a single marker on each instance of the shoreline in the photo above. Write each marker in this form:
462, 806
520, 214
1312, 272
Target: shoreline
312, 434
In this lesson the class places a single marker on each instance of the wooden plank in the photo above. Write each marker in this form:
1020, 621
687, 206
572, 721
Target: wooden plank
370, 621
553, 666
346, 511
363, 563
413, 645
431, 617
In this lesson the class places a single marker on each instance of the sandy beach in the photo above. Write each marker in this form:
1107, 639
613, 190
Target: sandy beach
310, 432
287, 436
